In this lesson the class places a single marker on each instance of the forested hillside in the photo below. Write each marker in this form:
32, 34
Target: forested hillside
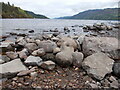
11, 11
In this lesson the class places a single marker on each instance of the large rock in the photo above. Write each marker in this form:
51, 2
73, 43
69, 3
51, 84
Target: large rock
64, 58
11, 68
116, 68
31, 47
108, 45
32, 61
98, 65
77, 58
68, 42
48, 65
48, 46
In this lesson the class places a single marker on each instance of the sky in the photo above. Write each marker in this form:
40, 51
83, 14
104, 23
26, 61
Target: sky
60, 8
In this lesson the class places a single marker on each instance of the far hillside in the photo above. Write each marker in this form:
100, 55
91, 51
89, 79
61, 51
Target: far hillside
11, 11
97, 14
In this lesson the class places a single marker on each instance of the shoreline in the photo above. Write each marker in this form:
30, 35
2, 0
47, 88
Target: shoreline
44, 59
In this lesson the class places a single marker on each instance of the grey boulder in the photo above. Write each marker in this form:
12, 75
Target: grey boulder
98, 65
108, 45
64, 58
11, 68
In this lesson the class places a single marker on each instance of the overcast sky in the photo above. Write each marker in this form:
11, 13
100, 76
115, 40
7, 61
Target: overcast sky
59, 8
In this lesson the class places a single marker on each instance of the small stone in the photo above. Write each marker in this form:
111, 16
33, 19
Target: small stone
49, 65
114, 84
112, 79
32, 61
33, 74
39, 52
23, 73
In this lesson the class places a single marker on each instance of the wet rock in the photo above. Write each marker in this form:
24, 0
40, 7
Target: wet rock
56, 34
12, 55
116, 69
64, 58
48, 46
30, 40
31, 47
66, 29
39, 52
77, 58
55, 39
98, 65
11, 68
32, 61
56, 50
48, 65
101, 44
31, 31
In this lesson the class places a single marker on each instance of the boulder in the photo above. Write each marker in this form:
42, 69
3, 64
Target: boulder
39, 52
12, 55
101, 44
77, 58
31, 47
48, 46
32, 61
48, 65
68, 42
11, 68
64, 58
116, 69
98, 65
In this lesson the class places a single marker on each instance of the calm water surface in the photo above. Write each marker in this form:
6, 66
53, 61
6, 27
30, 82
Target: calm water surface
23, 25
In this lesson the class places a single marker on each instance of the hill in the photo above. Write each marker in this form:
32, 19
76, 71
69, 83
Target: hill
11, 11
97, 14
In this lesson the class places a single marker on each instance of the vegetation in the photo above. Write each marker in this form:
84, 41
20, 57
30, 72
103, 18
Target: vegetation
10, 11
97, 14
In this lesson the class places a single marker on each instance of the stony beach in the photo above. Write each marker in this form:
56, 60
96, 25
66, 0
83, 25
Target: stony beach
56, 59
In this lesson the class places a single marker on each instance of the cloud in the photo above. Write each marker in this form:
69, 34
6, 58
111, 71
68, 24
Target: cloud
58, 8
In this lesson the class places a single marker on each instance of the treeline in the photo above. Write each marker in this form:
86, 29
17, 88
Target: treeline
11, 11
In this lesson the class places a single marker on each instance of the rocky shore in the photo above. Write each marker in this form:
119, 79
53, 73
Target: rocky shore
59, 60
